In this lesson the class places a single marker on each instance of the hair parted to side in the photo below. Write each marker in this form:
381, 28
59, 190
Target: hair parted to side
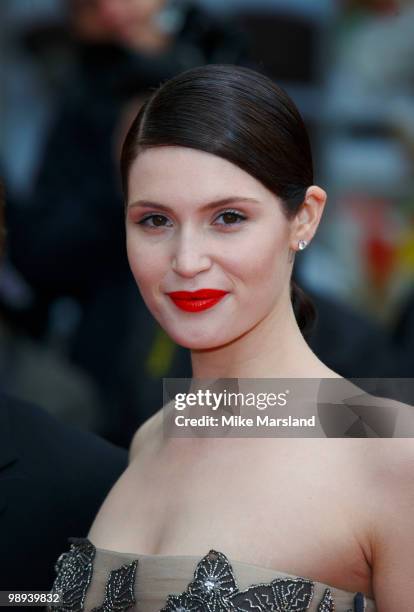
241, 116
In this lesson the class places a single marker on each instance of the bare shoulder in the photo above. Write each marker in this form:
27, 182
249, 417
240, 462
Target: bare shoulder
389, 504
390, 417
392, 464
389, 466
144, 435
148, 436
390, 456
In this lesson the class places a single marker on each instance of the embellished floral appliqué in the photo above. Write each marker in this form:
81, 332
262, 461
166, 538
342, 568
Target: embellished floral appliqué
74, 573
119, 590
213, 588
327, 604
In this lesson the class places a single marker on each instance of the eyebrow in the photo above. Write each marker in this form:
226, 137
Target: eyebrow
208, 206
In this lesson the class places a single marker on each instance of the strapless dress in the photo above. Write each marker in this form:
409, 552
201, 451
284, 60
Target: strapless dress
99, 580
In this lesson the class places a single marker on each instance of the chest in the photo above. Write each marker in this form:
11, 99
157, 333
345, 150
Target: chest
288, 507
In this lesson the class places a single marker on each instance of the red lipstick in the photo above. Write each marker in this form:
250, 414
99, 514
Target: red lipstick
194, 301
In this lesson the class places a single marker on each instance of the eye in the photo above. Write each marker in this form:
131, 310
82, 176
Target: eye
231, 217
157, 221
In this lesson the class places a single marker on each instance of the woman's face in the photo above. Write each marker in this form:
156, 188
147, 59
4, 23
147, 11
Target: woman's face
196, 221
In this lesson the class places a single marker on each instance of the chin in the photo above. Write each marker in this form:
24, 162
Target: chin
194, 344
201, 339
196, 340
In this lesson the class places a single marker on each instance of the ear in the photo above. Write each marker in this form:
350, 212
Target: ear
307, 219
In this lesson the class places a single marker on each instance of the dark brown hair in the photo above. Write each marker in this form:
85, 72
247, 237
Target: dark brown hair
241, 116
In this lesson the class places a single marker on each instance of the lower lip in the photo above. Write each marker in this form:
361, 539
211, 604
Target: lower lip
197, 305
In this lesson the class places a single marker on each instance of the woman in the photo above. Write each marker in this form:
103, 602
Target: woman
218, 181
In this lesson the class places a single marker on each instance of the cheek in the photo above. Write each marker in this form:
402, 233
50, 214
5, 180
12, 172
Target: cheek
144, 266
263, 264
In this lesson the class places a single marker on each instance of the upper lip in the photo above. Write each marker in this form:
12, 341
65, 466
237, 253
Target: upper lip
199, 294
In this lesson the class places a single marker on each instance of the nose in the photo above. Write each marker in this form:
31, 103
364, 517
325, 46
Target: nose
189, 257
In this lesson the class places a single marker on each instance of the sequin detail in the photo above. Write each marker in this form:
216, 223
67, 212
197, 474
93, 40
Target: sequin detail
74, 573
119, 589
327, 604
214, 589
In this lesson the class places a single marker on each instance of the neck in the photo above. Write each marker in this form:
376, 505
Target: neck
274, 348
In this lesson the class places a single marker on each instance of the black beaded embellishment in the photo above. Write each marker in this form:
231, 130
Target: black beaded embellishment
74, 573
214, 589
119, 589
327, 604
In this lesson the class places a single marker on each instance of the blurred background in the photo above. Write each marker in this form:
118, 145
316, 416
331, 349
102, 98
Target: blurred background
75, 335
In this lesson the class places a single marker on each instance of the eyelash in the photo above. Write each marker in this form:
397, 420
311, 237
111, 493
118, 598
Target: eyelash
236, 213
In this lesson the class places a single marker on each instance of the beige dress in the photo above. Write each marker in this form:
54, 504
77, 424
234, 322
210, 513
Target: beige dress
90, 578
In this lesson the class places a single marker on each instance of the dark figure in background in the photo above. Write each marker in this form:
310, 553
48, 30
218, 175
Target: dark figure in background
75, 246
53, 479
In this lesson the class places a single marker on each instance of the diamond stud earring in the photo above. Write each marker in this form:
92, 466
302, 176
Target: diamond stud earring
302, 244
